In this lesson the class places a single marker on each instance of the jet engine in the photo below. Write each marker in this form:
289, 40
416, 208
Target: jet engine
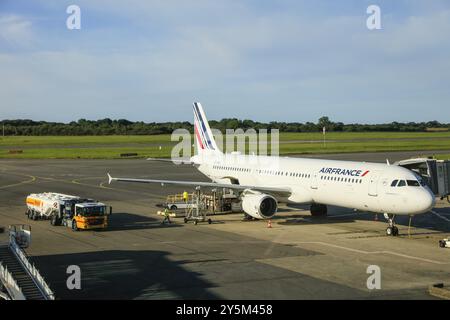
259, 205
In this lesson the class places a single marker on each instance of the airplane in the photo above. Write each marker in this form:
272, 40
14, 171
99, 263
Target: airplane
264, 181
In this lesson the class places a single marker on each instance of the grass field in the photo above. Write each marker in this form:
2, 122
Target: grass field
81, 140
165, 138
443, 156
286, 136
103, 147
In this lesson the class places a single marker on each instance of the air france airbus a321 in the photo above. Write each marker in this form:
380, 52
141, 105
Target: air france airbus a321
263, 181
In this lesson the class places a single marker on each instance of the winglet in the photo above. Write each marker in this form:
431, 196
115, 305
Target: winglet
109, 178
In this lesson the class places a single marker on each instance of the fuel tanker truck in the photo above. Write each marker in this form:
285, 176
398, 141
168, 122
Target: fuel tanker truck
74, 212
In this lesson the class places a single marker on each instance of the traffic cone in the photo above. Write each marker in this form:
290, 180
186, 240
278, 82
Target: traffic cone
269, 224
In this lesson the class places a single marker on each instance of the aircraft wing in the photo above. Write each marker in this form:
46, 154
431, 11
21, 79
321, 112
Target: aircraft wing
282, 192
175, 161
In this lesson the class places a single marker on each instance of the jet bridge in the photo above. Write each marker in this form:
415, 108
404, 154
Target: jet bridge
436, 173
20, 279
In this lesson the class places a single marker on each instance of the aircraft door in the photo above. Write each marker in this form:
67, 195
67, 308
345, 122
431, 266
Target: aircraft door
314, 182
373, 183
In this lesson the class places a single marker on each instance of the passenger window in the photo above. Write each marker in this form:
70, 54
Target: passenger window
394, 183
401, 183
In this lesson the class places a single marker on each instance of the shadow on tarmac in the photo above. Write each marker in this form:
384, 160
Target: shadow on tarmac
423, 221
123, 221
117, 274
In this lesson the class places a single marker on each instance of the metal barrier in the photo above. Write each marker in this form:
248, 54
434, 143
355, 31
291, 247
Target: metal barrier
178, 197
10, 284
32, 270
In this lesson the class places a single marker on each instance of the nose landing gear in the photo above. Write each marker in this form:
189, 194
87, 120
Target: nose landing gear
391, 230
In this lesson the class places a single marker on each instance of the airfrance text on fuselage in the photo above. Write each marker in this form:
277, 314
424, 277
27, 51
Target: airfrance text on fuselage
344, 172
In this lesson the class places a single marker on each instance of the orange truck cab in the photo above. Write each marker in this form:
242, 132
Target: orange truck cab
89, 215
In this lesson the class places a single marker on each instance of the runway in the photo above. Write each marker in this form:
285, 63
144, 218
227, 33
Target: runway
137, 258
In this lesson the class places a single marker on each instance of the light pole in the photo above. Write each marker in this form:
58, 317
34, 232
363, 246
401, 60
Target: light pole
324, 131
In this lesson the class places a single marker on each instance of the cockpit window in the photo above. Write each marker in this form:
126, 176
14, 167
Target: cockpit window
401, 183
394, 183
413, 183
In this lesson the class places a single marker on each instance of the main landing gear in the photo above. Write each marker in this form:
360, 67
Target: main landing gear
318, 210
391, 230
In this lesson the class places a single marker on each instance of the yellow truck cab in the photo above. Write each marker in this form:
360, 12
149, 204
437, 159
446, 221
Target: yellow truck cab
90, 215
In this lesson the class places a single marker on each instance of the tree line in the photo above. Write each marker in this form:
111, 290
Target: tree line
126, 127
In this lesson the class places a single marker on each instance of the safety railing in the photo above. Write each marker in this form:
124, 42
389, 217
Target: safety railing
32, 271
10, 284
178, 197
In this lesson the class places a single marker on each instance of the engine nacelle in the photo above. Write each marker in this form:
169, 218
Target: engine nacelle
259, 205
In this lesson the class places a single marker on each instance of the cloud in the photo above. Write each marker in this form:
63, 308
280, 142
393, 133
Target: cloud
281, 62
15, 30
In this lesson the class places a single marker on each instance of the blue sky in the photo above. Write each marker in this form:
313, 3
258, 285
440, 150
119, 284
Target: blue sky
285, 60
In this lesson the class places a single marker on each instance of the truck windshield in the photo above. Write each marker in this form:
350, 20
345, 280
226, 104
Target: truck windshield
93, 211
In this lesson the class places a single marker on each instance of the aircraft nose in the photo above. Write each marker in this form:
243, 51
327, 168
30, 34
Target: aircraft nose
427, 201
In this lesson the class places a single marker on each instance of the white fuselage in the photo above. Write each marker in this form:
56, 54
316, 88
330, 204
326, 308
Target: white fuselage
358, 185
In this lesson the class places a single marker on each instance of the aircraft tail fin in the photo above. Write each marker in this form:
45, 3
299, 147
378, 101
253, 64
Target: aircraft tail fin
203, 134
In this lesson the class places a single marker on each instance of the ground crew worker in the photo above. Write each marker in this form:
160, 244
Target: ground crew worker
185, 196
166, 216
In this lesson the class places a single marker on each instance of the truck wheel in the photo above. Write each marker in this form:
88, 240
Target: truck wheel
55, 221
28, 214
74, 225
173, 207
34, 216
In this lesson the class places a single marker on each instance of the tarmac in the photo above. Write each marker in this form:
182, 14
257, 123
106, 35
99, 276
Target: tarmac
300, 257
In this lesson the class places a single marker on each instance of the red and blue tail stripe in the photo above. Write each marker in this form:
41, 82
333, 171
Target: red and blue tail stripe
201, 131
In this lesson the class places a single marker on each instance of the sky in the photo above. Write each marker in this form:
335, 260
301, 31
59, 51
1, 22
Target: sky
283, 60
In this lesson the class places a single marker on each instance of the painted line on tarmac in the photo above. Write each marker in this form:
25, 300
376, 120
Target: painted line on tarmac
100, 186
440, 216
104, 187
30, 180
374, 252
